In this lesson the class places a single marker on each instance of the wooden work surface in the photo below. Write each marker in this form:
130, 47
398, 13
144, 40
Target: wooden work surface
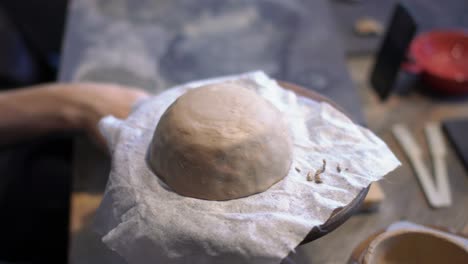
404, 197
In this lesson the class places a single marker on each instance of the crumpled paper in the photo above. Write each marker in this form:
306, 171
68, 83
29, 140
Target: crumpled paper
145, 222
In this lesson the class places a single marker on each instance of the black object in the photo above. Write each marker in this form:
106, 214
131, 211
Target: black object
393, 51
31, 37
35, 176
34, 200
17, 66
456, 131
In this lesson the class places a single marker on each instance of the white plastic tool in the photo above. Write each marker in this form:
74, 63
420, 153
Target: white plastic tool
438, 152
437, 193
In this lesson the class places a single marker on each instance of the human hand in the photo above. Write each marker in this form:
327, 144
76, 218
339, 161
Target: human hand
96, 100
47, 108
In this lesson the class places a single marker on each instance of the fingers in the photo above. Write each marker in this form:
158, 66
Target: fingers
97, 100
140, 94
138, 103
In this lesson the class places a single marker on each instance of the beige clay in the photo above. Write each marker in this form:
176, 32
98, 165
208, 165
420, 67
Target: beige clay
221, 142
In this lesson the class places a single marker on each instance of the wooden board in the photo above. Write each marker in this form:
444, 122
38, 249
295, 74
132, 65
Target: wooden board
374, 198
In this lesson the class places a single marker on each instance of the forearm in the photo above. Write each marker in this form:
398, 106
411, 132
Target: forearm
37, 110
62, 107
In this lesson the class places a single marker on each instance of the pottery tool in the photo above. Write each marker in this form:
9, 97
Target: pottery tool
438, 153
438, 193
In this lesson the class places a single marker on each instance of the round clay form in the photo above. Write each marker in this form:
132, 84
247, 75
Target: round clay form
411, 246
221, 142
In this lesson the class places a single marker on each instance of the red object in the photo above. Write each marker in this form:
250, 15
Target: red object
441, 57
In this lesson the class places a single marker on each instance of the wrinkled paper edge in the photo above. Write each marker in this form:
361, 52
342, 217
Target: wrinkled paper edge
261, 79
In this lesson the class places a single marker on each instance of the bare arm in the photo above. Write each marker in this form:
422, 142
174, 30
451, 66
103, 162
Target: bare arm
60, 107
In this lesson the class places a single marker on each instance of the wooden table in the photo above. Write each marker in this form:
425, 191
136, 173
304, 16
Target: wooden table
122, 43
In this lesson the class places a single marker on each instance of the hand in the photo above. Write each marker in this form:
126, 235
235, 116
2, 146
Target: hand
47, 108
97, 100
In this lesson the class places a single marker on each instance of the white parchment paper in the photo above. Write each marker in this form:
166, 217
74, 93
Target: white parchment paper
145, 222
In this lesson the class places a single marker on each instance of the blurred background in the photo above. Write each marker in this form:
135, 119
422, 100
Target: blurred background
384, 62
